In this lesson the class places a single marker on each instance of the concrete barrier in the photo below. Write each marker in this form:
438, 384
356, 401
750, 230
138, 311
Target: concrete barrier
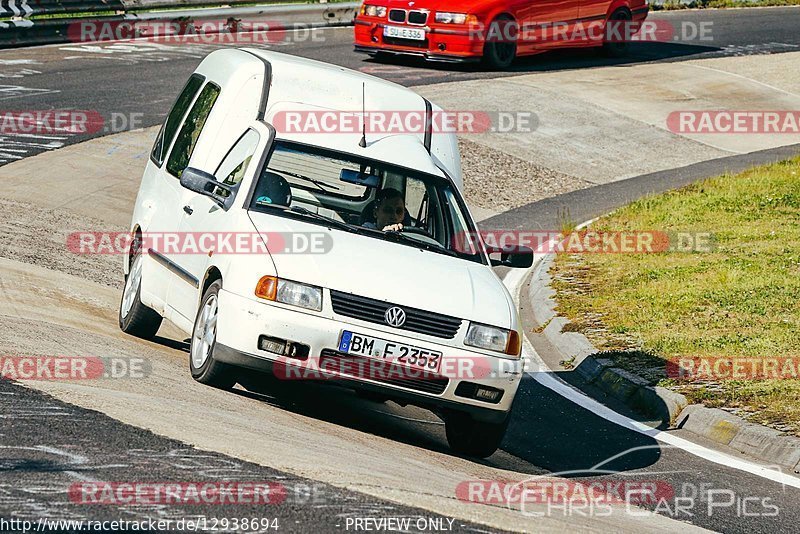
21, 26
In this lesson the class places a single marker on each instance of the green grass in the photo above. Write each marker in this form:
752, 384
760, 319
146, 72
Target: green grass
740, 300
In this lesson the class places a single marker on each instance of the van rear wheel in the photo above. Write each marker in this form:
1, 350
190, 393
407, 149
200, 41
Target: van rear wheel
135, 318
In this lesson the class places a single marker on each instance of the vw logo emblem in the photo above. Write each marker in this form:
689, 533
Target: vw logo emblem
395, 316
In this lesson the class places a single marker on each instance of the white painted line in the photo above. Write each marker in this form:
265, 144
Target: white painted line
539, 371
546, 378
751, 80
19, 62
16, 135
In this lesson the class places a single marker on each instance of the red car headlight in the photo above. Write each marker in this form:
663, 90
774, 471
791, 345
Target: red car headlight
371, 10
445, 17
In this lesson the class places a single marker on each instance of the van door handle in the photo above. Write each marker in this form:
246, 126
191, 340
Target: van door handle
188, 210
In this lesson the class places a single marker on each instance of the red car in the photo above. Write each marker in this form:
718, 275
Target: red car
496, 31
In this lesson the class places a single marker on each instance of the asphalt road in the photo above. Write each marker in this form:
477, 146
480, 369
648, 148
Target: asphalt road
55, 451
133, 84
48, 445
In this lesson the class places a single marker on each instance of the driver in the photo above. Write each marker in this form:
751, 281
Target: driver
390, 210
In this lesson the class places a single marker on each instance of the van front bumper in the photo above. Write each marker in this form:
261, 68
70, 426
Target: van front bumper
242, 321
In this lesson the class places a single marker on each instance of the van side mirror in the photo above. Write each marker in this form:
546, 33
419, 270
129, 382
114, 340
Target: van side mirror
515, 257
206, 184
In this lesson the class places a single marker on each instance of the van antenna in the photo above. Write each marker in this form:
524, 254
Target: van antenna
363, 142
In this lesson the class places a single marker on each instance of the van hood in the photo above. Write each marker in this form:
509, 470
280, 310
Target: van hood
392, 272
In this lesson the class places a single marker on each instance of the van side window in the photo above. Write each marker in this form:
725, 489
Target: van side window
191, 129
234, 165
167, 132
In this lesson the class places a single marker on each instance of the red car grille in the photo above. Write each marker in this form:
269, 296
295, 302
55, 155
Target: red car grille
397, 15
417, 17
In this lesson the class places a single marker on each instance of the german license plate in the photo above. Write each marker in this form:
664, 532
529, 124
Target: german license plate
399, 32
390, 351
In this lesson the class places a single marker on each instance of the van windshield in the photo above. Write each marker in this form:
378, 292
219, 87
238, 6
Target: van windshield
368, 197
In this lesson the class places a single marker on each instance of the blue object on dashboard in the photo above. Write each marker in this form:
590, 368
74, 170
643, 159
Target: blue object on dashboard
263, 200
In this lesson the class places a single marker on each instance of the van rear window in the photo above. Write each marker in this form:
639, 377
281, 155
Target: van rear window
191, 130
167, 133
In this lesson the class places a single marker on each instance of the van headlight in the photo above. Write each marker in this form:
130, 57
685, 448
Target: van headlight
373, 11
492, 338
288, 292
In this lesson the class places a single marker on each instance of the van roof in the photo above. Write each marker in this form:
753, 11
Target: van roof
332, 86
301, 84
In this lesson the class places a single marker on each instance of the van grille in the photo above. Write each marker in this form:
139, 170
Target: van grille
373, 311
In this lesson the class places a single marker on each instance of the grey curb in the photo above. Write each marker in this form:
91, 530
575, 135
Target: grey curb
719, 426
756, 440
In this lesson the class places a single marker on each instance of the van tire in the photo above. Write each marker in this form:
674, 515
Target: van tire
135, 318
204, 368
469, 437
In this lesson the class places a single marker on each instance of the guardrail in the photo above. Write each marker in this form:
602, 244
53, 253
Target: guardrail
37, 22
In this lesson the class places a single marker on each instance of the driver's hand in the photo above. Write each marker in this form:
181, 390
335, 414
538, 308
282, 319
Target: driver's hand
393, 227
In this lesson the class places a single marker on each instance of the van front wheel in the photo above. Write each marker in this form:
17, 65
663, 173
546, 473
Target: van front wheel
467, 436
205, 369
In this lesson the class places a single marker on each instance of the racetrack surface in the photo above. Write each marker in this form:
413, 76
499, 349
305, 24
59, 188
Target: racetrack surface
373, 460
133, 84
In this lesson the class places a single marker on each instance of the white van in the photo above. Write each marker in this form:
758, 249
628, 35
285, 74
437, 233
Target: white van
393, 303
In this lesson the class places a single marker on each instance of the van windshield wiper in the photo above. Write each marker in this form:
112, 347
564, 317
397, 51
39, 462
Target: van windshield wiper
399, 236
323, 186
327, 220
